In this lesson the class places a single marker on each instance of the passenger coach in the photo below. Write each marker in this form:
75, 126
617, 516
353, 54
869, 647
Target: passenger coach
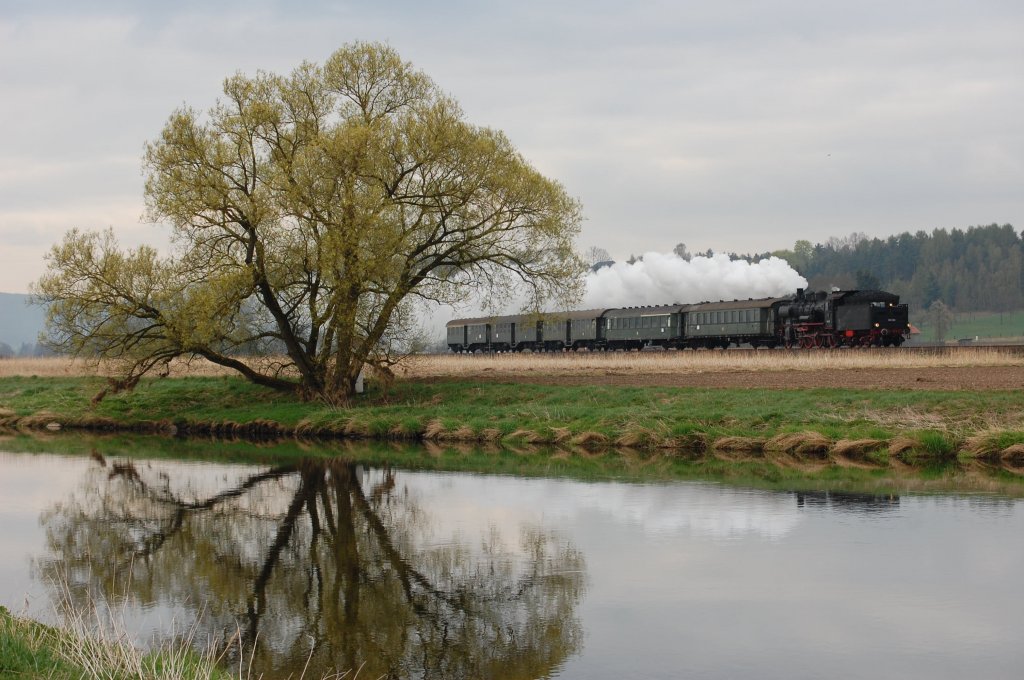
720, 324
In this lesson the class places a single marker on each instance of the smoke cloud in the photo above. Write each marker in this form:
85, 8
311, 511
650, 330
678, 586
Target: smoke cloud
664, 278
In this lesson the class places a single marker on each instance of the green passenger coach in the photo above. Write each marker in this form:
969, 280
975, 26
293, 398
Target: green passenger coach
636, 327
720, 324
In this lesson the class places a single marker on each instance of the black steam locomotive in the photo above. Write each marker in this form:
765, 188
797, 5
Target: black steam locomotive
850, 318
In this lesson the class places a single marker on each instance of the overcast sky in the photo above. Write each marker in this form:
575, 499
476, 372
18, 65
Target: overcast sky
735, 125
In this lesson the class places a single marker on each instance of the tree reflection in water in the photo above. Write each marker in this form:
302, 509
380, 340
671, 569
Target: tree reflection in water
321, 561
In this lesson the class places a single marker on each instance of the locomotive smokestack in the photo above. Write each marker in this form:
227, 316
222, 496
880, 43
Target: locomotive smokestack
799, 293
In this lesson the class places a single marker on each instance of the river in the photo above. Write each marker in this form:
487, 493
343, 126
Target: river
321, 561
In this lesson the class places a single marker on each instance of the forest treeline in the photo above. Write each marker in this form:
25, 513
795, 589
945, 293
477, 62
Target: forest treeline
975, 269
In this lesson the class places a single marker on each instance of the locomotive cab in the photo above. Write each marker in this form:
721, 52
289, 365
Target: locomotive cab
870, 317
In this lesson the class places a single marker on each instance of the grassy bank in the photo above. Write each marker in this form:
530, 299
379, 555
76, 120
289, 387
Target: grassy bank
32, 650
847, 423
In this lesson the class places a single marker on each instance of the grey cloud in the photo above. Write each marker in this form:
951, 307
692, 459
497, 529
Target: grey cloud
739, 126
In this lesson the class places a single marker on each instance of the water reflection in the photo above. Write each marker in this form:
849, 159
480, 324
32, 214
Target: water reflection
323, 563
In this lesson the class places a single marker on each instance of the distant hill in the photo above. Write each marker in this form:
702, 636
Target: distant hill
20, 322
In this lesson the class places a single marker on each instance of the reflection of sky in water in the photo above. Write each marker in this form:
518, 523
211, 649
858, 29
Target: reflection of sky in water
697, 580
656, 510
704, 580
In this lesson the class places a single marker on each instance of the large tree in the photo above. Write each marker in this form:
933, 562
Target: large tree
309, 213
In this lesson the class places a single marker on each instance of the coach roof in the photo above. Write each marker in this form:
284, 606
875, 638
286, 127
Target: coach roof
735, 304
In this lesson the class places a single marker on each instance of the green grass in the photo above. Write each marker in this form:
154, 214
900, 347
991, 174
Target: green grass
637, 417
27, 650
982, 325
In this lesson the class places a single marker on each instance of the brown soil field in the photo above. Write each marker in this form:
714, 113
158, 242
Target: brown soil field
950, 378
942, 369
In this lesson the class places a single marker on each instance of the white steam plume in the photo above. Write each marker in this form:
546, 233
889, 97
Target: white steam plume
664, 278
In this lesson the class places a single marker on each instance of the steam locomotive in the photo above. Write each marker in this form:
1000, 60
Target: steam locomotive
851, 318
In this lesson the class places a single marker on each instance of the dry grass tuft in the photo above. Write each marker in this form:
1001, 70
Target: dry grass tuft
799, 443
399, 431
857, 448
739, 444
590, 440
462, 434
903, 445
434, 430
354, 428
561, 434
490, 434
982, 445
527, 436
635, 437
1014, 453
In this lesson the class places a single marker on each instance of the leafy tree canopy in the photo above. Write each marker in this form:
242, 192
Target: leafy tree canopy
310, 212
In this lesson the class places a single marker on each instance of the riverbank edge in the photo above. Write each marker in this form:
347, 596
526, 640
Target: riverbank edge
917, 448
427, 422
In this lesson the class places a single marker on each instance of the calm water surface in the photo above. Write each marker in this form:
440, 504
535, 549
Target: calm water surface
451, 575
